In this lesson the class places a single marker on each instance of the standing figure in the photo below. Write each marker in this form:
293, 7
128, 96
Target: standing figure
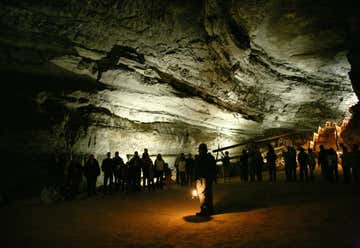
226, 166
107, 167
135, 165
159, 171
287, 159
244, 165
251, 162
146, 164
182, 169
311, 163
293, 164
346, 163
333, 166
118, 163
271, 163
259, 163
91, 172
167, 172
303, 162
205, 169
176, 165
189, 168
323, 162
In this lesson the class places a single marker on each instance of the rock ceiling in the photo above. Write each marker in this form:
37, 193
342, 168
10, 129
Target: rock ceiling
173, 73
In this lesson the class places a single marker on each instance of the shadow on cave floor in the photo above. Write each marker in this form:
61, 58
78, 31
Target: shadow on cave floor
243, 197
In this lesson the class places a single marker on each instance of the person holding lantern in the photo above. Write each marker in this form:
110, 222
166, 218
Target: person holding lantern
205, 172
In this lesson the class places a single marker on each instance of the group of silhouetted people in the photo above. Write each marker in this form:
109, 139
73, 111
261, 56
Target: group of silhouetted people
139, 173
136, 174
251, 164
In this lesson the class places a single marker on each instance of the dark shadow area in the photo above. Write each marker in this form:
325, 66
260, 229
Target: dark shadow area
247, 197
196, 219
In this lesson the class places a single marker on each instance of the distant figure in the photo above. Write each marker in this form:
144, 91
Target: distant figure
252, 163
312, 164
182, 169
91, 172
118, 164
150, 172
135, 165
245, 160
159, 171
346, 164
323, 162
259, 163
205, 169
333, 166
271, 163
287, 161
167, 172
189, 168
176, 165
226, 166
74, 177
147, 164
303, 162
293, 164
107, 167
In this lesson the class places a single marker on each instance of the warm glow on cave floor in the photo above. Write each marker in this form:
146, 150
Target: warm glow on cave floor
250, 215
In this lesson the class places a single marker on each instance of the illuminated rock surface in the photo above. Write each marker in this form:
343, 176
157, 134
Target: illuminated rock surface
94, 76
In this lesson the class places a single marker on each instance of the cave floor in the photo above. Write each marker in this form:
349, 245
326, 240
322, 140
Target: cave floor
248, 215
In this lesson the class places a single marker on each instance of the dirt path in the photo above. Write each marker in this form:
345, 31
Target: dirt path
249, 215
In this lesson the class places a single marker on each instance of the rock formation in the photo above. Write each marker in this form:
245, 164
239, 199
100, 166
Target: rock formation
89, 76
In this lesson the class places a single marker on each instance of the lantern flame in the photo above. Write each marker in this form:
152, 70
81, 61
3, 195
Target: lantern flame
194, 194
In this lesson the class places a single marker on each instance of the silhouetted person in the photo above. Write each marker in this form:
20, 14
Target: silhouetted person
259, 163
118, 163
252, 163
135, 165
311, 163
107, 167
333, 165
271, 163
146, 164
323, 162
244, 165
176, 165
205, 169
189, 168
346, 164
303, 162
182, 169
91, 172
126, 176
293, 164
226, 166
287, 159
151, 176
159, 171
167, 173
355, 162
75, 177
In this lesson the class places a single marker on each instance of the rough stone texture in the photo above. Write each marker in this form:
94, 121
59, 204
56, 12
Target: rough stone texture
170, 74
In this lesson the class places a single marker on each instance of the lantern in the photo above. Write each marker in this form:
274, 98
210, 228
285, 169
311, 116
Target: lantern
194, 194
